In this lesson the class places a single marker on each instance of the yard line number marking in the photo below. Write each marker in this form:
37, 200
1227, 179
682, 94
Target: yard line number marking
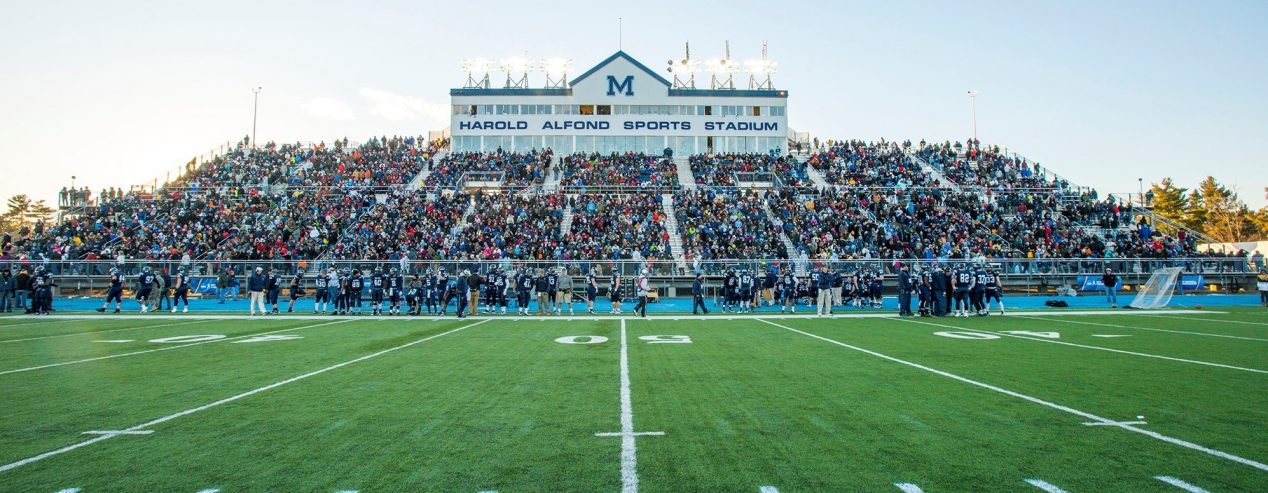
120, 355
1099, 348
1109, 422
204, 407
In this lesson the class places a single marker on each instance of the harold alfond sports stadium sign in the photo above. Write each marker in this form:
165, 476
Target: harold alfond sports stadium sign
723, 126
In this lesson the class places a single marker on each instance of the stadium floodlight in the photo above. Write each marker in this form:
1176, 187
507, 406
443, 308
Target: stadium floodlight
556, 70
684, 70
517, 69
477, 70
760, 72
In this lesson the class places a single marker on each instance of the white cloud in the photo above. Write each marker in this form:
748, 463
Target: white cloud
398, 107
328, 108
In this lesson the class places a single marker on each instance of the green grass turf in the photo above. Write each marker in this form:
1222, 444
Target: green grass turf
502, 406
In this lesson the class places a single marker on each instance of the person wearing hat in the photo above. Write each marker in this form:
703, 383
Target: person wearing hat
905, 286
641, 284
824, 296
255, 291
1262, 284
697, 294
1111, 287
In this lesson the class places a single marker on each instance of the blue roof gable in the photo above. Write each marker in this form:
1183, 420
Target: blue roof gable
620, 54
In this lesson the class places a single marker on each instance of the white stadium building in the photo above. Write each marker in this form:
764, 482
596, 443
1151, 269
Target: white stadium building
619, 105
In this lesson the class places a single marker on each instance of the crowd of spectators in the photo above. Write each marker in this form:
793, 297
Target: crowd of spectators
517, 225
718, 170
726, 224
612, 226
619, 170
403, 224
517, 169
881, 164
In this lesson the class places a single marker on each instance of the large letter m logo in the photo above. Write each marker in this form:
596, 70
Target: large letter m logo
626, 86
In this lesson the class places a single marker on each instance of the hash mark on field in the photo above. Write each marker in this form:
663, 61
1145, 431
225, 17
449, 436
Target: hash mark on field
210, 490
1115, 423
909, 488
1107, 336
1044, 485
1180, 484
637, 434
115, 341
768, 489
1085, 346
69, 490
227, 400
1152, 434
120, 355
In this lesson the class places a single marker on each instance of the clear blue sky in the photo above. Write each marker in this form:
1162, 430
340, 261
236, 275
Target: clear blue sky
117, 93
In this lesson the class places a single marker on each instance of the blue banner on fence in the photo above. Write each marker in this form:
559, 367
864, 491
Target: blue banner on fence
1192, 282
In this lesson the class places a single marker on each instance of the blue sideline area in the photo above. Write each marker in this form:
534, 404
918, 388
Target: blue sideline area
669, 305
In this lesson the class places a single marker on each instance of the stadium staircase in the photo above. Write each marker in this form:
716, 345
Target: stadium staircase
793, 254
685, 178
551, 184
421, 178
934, 172
816, 177
671, 225
565, 225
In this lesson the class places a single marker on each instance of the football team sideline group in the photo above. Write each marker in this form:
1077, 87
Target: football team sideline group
960, 290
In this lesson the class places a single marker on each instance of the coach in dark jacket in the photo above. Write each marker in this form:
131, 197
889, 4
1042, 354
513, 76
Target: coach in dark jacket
697, 294
1111, 287
904, 292
939, 287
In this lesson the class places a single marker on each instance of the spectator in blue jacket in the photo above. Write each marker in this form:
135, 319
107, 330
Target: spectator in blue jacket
255, 287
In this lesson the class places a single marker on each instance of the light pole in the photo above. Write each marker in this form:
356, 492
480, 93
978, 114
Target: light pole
973, 108
255, 108
1140, 182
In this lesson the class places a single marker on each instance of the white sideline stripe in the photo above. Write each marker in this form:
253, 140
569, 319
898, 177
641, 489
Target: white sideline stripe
5, 326
119, 432
1158, 330
1036, 400
168, 348
768, 489
629, 457
1180, 484
624, 316
103, 331
1044, 485
1205, 319
637, 434
1116, 423
909, 488
1099, 348
226, 400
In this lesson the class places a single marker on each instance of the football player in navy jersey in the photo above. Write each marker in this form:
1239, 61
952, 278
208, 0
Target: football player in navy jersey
377, 282
614, 291
144, 288
592, 289
442, 291
924, 286
296, 289
321, 293
524, 283
355, 285
181, 291
273, 288
994, 290
963, 282
115, 292
395, 283
414, 295
730, 286
788, 285
978, 293
42, 301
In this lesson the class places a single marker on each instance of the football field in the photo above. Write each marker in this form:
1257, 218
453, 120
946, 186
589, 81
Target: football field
1124, 401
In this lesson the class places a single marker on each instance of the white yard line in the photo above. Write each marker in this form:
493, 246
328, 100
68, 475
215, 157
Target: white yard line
1180, 484
104, 331
1085, 346
168, 348
1204, 319
1044, 485
204, 407
629, 457
1153, 329
1036, 400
